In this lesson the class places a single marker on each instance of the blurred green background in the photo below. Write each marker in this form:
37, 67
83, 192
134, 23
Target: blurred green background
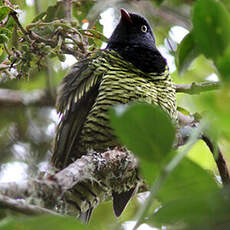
26, 132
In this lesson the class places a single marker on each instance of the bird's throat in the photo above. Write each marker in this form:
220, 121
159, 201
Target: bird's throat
146, 59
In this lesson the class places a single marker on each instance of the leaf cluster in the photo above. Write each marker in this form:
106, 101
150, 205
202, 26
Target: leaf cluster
49, 35
189, 197
210, 36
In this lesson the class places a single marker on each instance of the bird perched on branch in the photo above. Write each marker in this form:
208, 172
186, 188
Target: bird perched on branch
129, 69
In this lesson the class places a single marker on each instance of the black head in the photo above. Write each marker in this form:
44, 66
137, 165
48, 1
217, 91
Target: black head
133, 39
132, 30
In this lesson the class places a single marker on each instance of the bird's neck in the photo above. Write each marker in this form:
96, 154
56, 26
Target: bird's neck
146, 59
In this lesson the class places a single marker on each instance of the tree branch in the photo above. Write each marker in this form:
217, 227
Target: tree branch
53, 43
14, 16
187, 123
68, 9
16, 190
89, 170
20, 206
219, 158
196, 88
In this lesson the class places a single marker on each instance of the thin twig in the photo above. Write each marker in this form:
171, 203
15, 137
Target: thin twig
6, 49
55, 23
196, 88
22, 207
190, 121
53, 43
14, 16
220, 161
4, 67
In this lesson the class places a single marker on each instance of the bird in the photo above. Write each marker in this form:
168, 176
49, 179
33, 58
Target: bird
129, 69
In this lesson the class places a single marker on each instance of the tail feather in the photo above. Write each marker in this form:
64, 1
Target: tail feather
120, 200
85, 217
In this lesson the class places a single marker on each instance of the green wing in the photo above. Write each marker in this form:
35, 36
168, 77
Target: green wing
76, 96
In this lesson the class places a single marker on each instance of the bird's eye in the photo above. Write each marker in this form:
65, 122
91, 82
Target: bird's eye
144, 28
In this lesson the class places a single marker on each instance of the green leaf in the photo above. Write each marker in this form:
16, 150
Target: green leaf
52, 13
55, 12
204, 160
149, 171
5, 31
39, 17
4, 10
187, 211
43, 222
81, 9
1, 51
223, 65
186, 195
187, 51
61, 57
201, 212
226, 4
10, 23
4, 35
187, 180
3, 38
217, 105
144, 129
211, 27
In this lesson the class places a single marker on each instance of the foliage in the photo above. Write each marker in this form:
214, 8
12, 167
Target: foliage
180, 184
153, 142
49, 34
44, 222
184, 194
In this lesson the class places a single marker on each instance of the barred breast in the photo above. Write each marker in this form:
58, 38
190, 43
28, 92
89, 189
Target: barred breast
121, 85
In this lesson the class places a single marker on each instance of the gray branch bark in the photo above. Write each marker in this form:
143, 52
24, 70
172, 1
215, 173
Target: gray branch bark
22, 207
51, 191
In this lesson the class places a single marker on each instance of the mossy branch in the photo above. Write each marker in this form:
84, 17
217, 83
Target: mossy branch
53, 189
22, 207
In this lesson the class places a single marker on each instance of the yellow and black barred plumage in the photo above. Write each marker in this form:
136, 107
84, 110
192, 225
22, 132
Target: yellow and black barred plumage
130, 69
